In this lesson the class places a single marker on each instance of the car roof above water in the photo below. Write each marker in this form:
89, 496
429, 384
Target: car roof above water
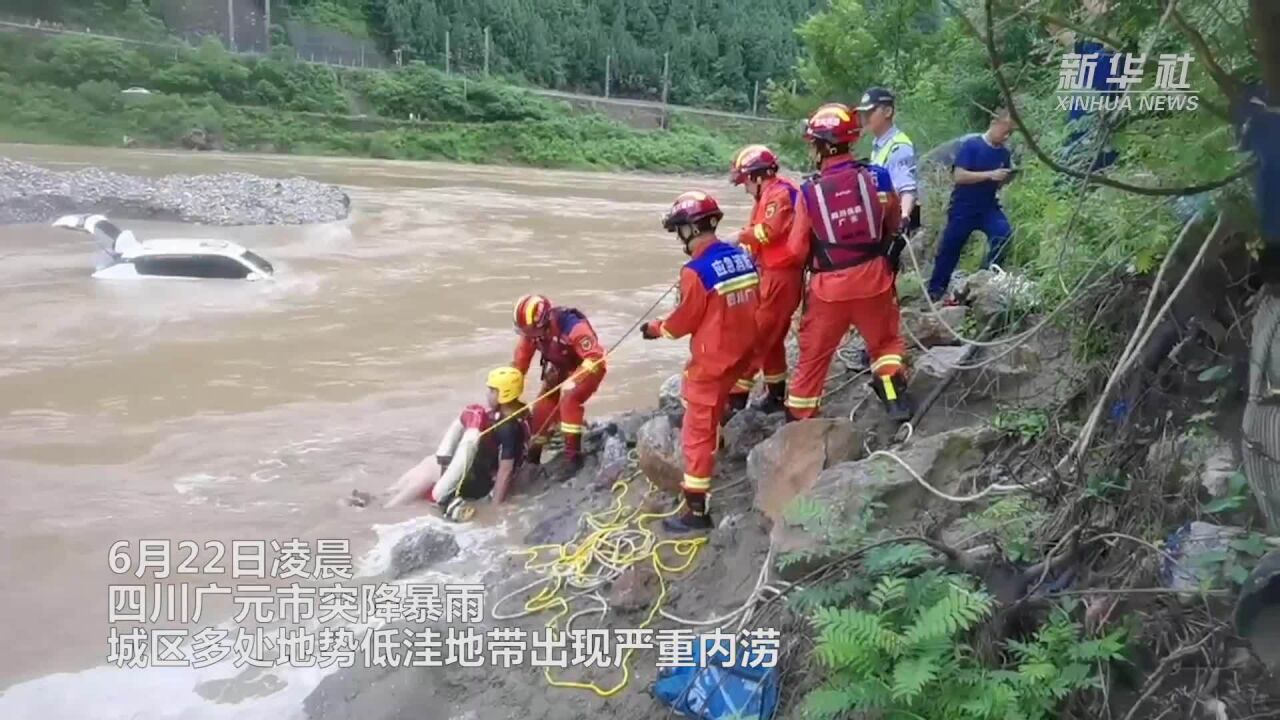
189, 246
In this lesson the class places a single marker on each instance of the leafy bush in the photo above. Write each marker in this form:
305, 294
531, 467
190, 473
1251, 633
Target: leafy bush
904, 651
1026, 423
103, 95
1011, 522
347, 17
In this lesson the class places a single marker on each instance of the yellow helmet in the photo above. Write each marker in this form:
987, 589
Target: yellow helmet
508, 381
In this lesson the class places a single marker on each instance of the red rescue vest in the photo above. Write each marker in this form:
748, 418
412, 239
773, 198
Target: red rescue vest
846, 216
557, 350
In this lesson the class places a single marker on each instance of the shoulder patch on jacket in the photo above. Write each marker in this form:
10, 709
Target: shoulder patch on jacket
770, 210
884, 181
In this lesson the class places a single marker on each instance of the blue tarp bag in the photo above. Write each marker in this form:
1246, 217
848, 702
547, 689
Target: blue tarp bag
719, 691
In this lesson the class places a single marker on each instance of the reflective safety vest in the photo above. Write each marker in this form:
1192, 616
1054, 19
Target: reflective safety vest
846, 216
881, 156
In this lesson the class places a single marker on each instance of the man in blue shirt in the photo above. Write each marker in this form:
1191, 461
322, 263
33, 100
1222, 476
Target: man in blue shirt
1082, 126
982, 165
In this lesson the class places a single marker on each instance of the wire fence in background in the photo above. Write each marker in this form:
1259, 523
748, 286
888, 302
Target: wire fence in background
190, 22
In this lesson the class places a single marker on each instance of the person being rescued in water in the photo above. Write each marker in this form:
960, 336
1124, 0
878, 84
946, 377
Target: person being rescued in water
480, 454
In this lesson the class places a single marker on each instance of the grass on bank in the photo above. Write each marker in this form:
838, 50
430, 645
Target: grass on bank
68, 90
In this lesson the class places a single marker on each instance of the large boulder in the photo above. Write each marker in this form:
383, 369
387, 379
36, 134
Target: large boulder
990, 293
747, 429
661, 453
1006, 374
1011, 375
839, 494
978, 291
789, 461
930, 328
930, 368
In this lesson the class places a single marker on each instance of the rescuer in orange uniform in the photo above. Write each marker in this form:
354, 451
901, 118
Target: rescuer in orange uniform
781, 275
570, 351
847, 225
717, 308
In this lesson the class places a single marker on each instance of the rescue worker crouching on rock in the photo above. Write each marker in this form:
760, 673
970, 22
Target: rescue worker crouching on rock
717, 308
781, 275
570, 351
846, 223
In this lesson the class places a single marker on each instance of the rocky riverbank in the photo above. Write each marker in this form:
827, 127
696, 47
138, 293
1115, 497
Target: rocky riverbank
33, 194
761, 469
786, 495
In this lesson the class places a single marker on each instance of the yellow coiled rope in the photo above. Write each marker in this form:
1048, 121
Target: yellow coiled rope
616, 539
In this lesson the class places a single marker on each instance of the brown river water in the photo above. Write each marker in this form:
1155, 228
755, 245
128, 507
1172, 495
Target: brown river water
215, 410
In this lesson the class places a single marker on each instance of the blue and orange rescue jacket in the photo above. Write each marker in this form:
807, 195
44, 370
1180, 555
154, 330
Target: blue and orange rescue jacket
717, 308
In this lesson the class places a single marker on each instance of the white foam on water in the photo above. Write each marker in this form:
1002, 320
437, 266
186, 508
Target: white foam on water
190, 483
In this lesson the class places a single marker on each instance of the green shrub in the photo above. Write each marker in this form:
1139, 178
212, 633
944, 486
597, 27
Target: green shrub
905, 652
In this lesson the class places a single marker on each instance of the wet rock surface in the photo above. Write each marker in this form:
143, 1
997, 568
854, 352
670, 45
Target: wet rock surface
931, 368
787, 463
627, 423
747, 429
669, 394
557, 527
33, 194
931, 328
420, 551
661, 453
635, 590
844, 489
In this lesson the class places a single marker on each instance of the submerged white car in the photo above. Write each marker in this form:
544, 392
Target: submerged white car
167, 257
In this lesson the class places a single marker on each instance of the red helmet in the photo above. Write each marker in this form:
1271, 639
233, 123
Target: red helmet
533, 315
834, 124
689, 208
750, 160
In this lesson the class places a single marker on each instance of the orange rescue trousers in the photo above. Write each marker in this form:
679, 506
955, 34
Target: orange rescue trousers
823, 329
705, 403
780, 291
567, 408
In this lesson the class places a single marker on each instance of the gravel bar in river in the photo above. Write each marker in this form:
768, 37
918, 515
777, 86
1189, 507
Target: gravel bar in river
33, 194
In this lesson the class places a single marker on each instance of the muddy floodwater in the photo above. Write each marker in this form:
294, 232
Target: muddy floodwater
220, 410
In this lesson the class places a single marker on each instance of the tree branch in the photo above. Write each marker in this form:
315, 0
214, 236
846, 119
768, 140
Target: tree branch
993, 59
1229, 86
1264, 21
1154, 680
1082, 30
